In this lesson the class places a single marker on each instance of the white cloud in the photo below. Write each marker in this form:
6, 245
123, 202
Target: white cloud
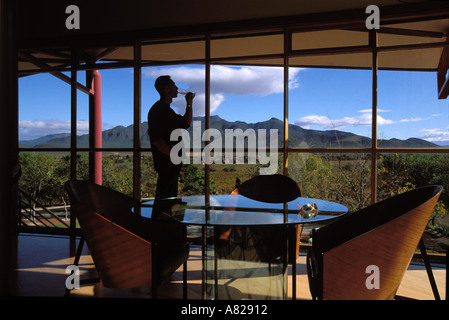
35, 129
363, 120
434, 135
339, 124
225, 81
370, 110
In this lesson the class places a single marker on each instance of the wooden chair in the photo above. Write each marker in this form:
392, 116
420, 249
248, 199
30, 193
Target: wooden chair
128, 250
375, 243
275, 189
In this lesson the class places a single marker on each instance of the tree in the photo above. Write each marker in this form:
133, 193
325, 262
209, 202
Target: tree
118, 173
149, 177
344, 179
192, 181
38, 176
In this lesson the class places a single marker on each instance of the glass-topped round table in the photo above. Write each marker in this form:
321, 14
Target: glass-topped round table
244, 241
237, 210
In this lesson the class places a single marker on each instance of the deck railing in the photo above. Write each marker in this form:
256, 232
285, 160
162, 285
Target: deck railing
33, 214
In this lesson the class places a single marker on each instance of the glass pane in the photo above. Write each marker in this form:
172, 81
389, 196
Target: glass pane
44, 111
410, 115
248, 93
343, 178
117, 108
330, 108
398, 173
247, 112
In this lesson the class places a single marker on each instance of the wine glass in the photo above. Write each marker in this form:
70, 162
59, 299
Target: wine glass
184, 92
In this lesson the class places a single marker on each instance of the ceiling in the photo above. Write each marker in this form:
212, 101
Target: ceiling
323, 33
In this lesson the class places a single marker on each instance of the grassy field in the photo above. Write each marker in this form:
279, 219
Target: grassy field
225, 176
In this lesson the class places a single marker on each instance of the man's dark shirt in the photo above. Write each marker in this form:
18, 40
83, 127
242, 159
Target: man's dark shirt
162, 120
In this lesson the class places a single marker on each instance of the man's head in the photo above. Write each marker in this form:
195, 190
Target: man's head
166, 87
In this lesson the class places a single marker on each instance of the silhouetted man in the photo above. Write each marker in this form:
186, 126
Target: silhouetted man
162, 120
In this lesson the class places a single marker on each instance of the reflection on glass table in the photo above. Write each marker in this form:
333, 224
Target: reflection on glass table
237, 210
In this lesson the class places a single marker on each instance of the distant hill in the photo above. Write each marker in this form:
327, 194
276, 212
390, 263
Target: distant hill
444, 144
122, 137
41, 140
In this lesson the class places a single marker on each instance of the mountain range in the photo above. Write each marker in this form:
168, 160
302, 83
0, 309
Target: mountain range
122, 137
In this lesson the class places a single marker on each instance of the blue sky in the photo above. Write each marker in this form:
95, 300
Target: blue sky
321, 99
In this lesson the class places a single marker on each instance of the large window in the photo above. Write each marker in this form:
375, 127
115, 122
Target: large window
338, 90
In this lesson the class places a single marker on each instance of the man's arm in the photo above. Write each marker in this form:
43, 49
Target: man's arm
188, 115
161, 146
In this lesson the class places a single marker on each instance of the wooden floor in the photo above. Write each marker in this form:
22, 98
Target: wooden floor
42, 262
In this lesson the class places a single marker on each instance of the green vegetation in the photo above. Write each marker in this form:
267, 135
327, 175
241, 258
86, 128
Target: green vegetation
342, 178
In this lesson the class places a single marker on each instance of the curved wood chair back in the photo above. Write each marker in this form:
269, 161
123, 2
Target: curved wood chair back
108, 202
122, 259
376, 243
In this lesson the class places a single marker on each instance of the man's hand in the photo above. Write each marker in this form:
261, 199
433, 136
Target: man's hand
189, 98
